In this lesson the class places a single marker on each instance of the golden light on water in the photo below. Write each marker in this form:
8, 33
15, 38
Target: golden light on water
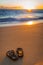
30, 23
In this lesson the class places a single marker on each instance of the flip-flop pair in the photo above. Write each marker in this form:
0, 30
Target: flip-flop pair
14, 56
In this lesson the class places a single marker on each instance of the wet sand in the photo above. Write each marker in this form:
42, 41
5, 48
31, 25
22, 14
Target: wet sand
30, 38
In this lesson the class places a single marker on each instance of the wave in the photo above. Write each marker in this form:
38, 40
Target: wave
33, 15
19, 20
19, 23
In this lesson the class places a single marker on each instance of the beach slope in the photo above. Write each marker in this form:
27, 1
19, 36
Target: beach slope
28, 37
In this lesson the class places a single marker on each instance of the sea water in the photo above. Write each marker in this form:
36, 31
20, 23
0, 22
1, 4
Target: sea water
18, 17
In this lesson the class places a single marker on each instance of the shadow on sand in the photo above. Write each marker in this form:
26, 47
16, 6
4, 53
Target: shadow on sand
7, 61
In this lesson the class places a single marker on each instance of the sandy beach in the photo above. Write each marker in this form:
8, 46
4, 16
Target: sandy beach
28, 37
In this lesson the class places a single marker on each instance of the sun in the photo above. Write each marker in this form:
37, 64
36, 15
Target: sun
29, 5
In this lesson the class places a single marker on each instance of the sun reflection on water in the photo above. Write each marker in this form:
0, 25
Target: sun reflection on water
29, 23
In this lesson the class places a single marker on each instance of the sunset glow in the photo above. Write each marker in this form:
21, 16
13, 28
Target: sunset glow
25, 4
39, 7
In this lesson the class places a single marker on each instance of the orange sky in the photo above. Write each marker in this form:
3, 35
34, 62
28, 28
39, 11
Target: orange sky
20, 7
26, 4
39, 7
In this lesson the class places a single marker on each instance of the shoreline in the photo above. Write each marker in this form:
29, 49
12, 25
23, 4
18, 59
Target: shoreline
20, 23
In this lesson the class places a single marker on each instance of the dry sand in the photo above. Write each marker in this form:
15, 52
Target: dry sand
30, 38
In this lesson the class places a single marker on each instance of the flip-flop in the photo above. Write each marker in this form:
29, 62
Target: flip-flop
11, 54
19, 52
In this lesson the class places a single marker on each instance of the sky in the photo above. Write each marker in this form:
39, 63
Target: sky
23, 3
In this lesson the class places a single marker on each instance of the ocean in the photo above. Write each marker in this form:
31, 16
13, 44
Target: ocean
8, 16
